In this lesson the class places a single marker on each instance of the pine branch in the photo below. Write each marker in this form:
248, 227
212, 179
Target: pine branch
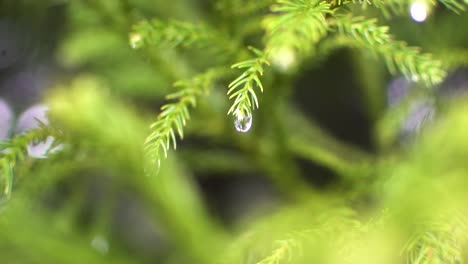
398, 56
174, 116
296, 25
12, 151
174, 34
242, 88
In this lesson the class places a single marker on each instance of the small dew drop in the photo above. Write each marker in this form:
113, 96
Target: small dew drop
158, 167
418, 11
243, 124
135, 40
100, 244
153, 167
284, 59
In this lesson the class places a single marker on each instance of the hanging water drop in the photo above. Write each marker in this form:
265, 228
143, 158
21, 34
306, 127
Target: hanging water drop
243, 123
100, 244
284, 58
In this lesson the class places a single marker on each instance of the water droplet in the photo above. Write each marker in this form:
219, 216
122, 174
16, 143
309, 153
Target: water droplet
243, 123
135, 40
418, 11
153, 166
284, 59
100, 244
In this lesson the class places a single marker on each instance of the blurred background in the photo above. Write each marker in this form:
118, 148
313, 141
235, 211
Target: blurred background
344, 103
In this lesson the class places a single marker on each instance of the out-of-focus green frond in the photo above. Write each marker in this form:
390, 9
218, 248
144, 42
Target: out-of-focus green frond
438, 242
413, 64
455, 5
402, 6
296, 235
242, 7
178, 33
296, 25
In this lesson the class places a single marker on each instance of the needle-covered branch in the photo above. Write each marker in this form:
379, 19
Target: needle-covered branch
242, 88
174, 115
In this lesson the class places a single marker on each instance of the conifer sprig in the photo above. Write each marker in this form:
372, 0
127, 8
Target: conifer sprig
397, 54
174, 116
296, 24
242, 88
439, 242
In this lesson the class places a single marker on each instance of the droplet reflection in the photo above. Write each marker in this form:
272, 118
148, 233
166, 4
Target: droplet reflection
135, 40
100, 244
243, 124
